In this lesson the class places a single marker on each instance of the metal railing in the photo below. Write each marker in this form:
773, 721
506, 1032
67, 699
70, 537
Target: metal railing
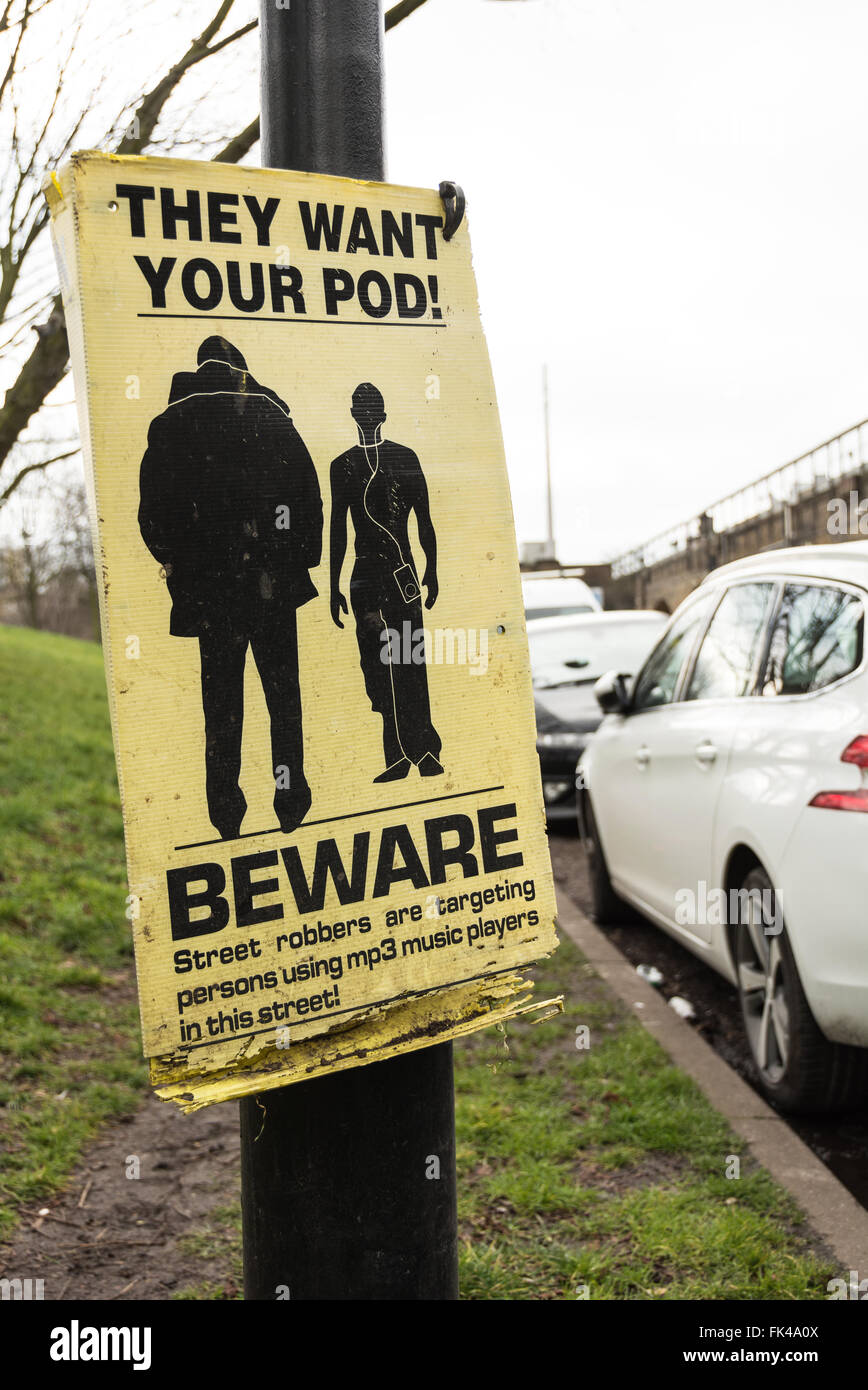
810, 473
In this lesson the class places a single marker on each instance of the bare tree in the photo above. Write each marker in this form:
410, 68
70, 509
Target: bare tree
30, 303
74, 552
27, 568
47, 572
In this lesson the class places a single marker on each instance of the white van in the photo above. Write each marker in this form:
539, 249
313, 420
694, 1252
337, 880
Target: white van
557, 593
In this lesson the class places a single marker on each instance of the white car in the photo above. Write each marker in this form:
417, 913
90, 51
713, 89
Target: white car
555, 593
725, 796
567, 657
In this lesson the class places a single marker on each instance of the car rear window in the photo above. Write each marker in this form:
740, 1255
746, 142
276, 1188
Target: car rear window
581, 653
817, 638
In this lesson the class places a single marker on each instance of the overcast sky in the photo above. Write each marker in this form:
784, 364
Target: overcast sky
668, 204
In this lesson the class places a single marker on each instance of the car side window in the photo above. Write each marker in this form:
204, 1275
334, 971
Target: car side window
818, 637
727, 659
658, 679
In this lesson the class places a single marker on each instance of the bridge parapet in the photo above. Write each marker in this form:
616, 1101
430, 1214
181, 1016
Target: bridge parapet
788, 506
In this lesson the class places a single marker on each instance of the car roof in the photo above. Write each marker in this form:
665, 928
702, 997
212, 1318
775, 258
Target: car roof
552, 581
616, 616
534, 576
846, 560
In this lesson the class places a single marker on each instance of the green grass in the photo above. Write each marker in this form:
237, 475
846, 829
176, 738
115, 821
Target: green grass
598, 1173
601, 1172
69, 1040
216, 1244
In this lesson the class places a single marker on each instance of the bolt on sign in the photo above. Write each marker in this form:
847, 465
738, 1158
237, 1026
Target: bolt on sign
312, 618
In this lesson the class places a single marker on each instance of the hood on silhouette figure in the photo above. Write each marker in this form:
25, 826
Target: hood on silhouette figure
221, 369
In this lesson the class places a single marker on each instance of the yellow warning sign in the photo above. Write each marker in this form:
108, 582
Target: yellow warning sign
312, 617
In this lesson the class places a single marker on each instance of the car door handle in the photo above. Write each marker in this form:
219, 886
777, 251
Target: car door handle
705, 753
643, 756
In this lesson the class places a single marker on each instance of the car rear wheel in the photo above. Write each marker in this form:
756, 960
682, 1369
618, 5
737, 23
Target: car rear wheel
799, 1069
606, 907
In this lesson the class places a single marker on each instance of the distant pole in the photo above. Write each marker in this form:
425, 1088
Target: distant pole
550, 523
348, 1186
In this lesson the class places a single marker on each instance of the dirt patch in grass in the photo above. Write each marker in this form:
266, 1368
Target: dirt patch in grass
656, 1170
110, 1236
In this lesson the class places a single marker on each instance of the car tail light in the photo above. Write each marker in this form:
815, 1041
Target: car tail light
856, 753
841, 801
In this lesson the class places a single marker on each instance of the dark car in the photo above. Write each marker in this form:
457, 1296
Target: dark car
567, 656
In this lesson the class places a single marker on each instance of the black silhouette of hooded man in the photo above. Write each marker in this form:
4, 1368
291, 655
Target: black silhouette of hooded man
231, 508
380, 484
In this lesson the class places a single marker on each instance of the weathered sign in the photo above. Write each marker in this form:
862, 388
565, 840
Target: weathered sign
312, 617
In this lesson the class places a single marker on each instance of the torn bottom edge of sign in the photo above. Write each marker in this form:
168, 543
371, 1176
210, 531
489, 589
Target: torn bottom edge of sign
418, 1022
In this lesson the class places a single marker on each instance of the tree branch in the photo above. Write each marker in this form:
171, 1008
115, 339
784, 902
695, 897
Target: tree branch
47, 363
150, 108
33, 468
239, 145
38, 377
402, 10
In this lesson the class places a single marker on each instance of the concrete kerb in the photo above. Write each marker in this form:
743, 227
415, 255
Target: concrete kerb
832, 1211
